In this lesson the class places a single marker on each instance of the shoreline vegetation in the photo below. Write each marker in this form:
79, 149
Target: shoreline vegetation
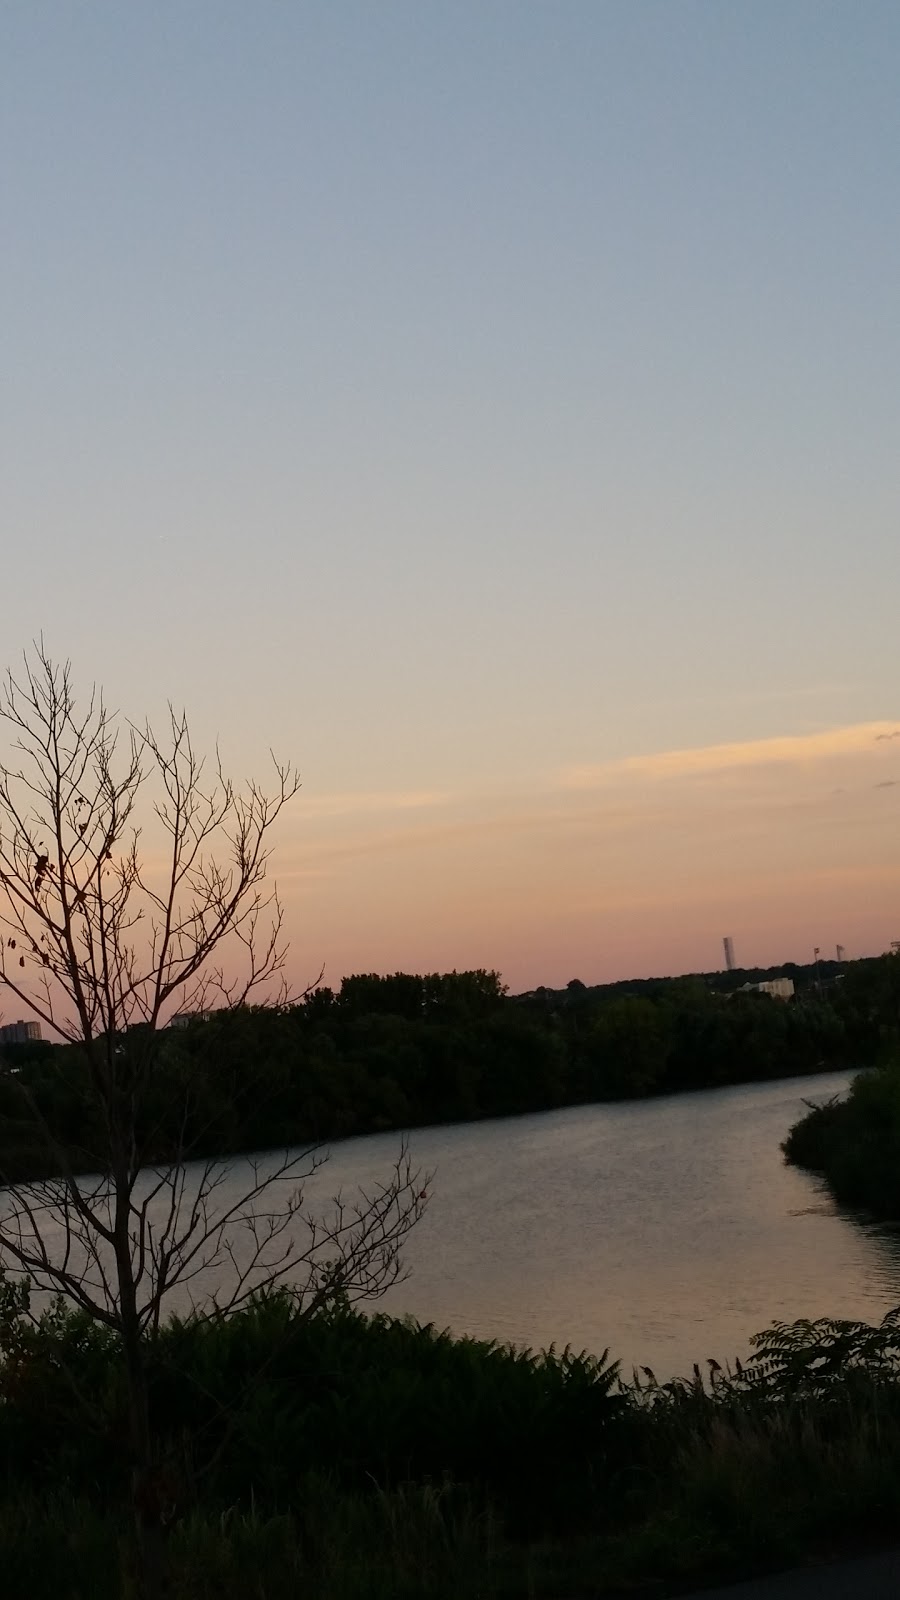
404, 1051
854, 1143
365, 1458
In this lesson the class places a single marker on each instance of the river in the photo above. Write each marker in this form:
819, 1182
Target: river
669, 1230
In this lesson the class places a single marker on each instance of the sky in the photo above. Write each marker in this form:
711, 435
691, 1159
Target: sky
492, 407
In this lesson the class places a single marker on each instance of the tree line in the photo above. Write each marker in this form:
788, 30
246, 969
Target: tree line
404, 1050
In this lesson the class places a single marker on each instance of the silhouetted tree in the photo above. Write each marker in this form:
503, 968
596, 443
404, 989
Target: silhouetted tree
103, 936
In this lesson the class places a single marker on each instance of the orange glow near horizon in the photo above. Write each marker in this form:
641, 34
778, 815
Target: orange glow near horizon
611, 870
625, 868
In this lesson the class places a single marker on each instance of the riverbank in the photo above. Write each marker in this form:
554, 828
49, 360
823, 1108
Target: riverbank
366, 1459
409, 1051
854, 1143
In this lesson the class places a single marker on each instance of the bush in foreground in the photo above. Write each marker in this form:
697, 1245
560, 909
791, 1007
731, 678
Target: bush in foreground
356, 1458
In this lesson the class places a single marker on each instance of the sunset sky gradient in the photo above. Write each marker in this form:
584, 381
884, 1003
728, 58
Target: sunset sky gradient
495, 408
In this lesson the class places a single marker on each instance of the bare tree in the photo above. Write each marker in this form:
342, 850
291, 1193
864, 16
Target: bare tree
106, 928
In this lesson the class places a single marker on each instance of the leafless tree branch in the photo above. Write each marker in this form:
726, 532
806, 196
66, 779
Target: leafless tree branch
101, 940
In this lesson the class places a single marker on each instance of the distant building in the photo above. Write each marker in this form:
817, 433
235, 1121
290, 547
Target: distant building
20, 1032
778, 988
183, 1019
729, 954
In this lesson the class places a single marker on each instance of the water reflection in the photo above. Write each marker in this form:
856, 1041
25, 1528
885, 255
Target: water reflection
668, 1230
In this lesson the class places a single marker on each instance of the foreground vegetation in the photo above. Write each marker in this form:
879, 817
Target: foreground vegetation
356, 1458
403, 1051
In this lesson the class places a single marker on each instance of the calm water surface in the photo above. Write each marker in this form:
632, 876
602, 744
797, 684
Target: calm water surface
668, 1230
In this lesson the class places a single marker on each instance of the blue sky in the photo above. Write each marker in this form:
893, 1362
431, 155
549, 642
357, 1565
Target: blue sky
454, 396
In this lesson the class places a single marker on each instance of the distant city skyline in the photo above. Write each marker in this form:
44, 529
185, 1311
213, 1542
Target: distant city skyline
494, 409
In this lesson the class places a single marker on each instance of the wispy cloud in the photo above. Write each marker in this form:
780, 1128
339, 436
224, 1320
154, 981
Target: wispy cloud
605, 807
357, 803
789, 749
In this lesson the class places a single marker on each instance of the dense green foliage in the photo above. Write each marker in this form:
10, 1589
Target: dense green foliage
361, 1459
855, 1143
403, 1051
